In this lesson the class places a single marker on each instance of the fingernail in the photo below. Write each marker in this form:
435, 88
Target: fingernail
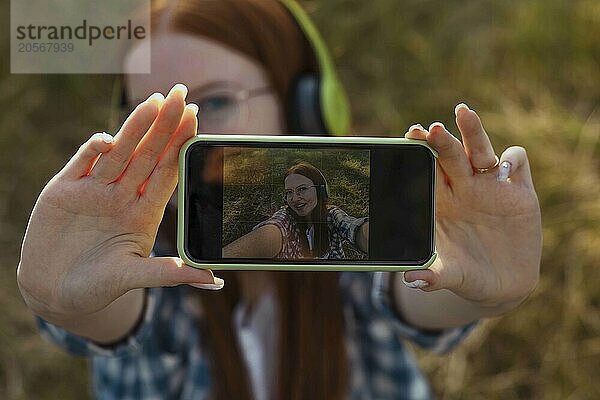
504, 171
436, 124
459, 106
219, 284
193, 107
415, 127
157, 97
418, 284
106, 137
180, 87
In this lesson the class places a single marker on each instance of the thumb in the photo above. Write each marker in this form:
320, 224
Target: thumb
514, 165
168, 271
434, 278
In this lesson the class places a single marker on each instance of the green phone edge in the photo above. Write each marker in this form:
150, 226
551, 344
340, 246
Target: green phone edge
287, 266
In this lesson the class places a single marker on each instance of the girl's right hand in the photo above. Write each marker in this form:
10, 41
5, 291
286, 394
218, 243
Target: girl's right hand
94, 224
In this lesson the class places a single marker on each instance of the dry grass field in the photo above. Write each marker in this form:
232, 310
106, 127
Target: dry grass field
532, 71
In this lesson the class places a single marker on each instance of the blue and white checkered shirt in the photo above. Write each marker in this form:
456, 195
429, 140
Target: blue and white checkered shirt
164, 358
341, 226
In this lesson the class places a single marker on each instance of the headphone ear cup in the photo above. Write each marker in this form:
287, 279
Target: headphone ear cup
304, 115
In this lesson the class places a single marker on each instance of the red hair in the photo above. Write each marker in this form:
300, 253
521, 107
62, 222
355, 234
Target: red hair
312, 362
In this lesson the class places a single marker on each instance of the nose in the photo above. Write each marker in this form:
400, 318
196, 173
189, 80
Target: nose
295, 197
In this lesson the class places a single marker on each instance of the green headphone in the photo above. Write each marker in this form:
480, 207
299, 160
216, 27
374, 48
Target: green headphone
318, 103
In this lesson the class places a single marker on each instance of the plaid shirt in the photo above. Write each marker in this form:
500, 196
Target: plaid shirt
342, 227
164, 358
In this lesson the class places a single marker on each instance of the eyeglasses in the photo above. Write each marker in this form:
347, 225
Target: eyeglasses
224, 109
300, 191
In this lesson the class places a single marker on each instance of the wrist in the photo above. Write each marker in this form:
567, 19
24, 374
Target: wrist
442, 309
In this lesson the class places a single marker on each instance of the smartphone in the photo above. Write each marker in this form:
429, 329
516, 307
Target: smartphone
253, 202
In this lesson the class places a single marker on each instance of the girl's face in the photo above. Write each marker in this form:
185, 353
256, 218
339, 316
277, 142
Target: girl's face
300, 194
232, 91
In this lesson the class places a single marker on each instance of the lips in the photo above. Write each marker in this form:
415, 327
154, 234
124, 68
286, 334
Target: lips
300, 206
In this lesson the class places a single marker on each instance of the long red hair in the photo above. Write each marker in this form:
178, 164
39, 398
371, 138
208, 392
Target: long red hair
312, 359
319, 215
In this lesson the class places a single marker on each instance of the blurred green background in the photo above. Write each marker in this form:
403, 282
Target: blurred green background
532, 71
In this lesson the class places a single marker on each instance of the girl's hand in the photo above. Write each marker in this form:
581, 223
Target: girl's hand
94, 224
488, 228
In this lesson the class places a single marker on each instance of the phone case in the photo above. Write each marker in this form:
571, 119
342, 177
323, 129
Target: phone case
286, 139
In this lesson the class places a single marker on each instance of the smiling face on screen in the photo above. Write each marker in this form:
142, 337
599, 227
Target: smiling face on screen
300, 194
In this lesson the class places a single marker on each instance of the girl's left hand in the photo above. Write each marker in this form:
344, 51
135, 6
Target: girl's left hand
488, 224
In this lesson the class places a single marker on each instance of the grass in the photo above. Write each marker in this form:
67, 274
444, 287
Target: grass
530, 68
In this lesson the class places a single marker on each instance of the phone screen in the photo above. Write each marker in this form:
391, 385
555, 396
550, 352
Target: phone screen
308, 203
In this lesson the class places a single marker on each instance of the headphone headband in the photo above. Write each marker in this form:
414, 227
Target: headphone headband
335, 107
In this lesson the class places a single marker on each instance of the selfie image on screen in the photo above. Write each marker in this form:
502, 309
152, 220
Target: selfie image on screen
313, 202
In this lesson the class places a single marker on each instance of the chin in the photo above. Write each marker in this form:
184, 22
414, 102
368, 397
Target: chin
303, 213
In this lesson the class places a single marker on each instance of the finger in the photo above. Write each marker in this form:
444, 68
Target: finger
476, 141
167, 271
435, 277
86, 156
514, 165
111, 165
451, 154
416, 132
152, 146
442, 182
162, 182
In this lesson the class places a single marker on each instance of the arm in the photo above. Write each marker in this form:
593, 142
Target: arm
488, 231
108, 325
143, 332
123, 313
263, 242
440, 309
362, 237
